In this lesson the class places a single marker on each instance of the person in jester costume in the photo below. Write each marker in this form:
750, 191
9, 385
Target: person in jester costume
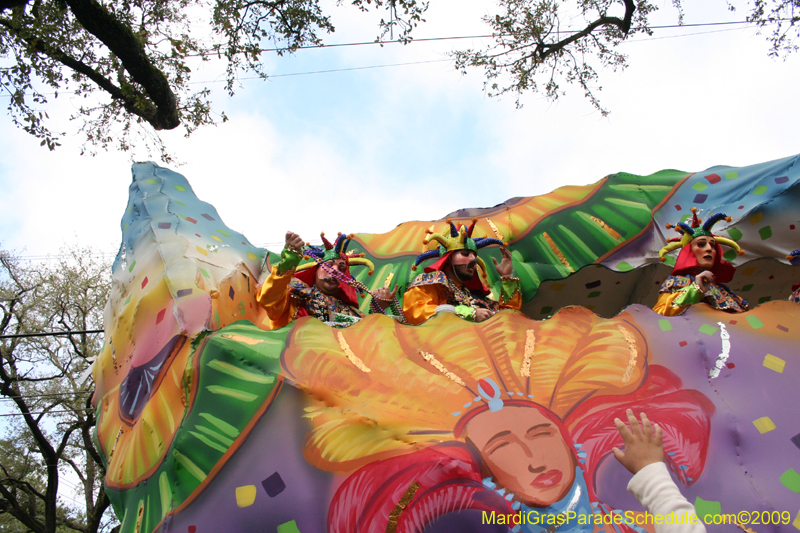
453, 283
322, 288
700, 272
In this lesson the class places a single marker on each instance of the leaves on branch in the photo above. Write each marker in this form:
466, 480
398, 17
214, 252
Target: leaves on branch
534, 51
131, 60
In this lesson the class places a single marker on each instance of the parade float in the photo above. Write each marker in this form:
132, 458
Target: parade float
208, 421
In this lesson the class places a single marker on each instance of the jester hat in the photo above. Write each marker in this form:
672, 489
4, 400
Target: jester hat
459, 238
723, 270
307, 272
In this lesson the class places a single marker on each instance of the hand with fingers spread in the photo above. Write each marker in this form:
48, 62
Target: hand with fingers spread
505, 267
643, 444
384, 297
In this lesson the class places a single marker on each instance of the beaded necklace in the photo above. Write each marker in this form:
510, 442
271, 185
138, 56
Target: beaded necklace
361, 288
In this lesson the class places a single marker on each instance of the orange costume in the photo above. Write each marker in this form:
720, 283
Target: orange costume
290, 292
434, 290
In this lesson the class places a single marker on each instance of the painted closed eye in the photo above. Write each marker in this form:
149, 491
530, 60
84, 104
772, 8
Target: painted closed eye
498, 446
540, 430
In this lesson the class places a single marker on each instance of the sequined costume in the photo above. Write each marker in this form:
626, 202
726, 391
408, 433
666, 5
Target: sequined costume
290, 292
678, 293
285, 298
432, 289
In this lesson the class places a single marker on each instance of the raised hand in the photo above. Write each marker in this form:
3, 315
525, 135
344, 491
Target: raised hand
294, 242
504, 267
643, 444
384, 297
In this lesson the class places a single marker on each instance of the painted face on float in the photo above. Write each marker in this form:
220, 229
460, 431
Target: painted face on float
705, 251
464, 263
526, 453
326, 282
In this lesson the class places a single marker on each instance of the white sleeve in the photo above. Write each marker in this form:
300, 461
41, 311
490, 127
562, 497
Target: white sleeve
659, 495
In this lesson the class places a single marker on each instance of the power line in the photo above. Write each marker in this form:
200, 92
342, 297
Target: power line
44, 413
489, 36
334, 70
50, 334
431, 39
28, 396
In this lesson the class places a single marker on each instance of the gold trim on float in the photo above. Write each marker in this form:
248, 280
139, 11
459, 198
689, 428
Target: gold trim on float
611, 231
495, 230
556, 251
349, 353
394, 516
429, 357
530, 347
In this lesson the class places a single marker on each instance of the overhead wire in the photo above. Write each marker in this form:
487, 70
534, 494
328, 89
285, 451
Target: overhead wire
29, 396
432, 39
50, 334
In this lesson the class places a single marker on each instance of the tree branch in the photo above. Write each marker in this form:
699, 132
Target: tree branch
163, 112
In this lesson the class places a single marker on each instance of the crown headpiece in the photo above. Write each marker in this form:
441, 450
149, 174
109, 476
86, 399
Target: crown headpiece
337, 250
457, 238
689, 232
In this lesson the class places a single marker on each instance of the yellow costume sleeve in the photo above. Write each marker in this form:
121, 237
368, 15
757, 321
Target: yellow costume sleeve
675, 303
274, 297
664, 304
420, 302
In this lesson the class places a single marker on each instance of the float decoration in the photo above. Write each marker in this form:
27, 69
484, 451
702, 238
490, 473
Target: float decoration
209, 423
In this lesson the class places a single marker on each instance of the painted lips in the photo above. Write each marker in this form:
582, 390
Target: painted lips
547, 480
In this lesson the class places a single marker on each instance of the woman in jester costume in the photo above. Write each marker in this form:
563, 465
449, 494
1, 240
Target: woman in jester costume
700, 272
453, 283
322, 288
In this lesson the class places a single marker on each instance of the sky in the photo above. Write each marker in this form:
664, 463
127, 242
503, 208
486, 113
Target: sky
364, 150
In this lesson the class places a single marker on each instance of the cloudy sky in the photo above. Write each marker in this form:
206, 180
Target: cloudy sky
363, 150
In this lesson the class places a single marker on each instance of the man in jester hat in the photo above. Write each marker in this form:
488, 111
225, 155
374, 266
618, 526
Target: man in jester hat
322, 288
453, 283
700, 272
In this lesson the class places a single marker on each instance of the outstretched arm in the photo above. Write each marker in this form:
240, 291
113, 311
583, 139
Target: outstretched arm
651, 484
273, 295
510, 296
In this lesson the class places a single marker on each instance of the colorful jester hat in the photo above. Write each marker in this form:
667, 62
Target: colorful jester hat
307, 272
723, 271
458, 239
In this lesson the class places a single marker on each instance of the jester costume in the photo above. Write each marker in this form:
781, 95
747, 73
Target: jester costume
680, 290
434, 290
290, 292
